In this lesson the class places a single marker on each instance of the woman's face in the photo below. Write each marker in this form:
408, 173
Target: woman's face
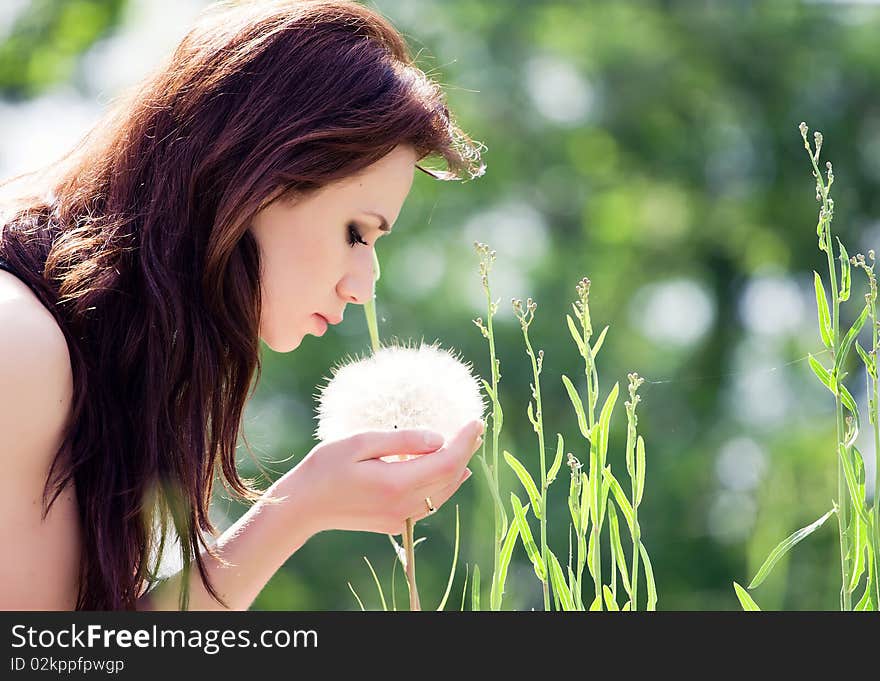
313, 261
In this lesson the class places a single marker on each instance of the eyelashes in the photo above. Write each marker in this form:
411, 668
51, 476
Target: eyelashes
354, 236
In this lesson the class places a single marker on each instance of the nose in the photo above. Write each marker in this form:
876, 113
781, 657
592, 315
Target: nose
357, 285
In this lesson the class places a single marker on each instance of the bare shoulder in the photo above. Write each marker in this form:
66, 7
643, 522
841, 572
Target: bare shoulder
36, 390
36, 379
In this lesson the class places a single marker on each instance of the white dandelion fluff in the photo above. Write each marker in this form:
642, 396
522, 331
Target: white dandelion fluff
399, 387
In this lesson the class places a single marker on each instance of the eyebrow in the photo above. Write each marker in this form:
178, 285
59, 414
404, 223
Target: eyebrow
384, 227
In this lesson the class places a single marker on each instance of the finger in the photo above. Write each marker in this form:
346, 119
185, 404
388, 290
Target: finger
446, 464
373, 444
440, 497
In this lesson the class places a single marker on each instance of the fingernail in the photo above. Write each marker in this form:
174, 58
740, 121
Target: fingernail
467, 473
480, 428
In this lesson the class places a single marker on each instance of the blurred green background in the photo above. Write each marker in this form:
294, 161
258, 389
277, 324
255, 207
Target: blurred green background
651, 146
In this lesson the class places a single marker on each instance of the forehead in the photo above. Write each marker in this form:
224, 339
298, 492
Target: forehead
380, 187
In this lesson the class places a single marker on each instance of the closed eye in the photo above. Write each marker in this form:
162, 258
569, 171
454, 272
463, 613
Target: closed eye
354, 236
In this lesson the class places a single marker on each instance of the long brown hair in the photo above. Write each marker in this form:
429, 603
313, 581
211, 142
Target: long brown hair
137, 243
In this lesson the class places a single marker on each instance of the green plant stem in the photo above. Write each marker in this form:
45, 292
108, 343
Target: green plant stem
875, 538
632, 460
500, 530
842, 493
409, 540
539, 419
592, 396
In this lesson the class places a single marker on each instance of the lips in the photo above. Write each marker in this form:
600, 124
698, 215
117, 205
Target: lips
333, 321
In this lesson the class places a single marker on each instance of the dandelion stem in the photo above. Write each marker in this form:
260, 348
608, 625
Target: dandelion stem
409, 533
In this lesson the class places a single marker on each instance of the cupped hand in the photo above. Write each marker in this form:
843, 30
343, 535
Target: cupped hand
349, 488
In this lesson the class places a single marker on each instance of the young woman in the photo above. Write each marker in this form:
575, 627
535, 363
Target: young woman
237, 195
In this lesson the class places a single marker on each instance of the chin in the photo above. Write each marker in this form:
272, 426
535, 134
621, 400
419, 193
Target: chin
282, 345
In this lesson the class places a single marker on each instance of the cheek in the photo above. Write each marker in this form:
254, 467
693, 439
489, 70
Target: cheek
289, 293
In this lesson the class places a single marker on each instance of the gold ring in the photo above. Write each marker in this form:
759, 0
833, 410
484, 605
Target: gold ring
430, 506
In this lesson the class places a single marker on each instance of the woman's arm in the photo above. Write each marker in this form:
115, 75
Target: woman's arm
339, 485
256, 546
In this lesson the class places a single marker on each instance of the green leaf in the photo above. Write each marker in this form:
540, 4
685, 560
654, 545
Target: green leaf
585, 502
599, 341
866, 601
617, 547
858, 551
610, 601
488, 389
595, 479
579, 341
605, 421
573, 588
527, 482
475, 589
495, 495
640, 470
574, 503
596, 605
852, 483
849, 338
847, 399
464, 588
620, 498
454, 563
525, 532
844, 273
649, 577
785, 546
503, 564
557, 579
582, 560
378, 584
603, 502
822, 374
822, 306
394, 565
744, 599
592, 555
578, 406
557, 462
626, 606
360, 602
869, 362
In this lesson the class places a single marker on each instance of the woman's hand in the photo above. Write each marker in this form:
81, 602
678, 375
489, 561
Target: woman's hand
349, 488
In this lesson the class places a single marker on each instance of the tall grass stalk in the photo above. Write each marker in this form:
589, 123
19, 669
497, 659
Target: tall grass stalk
857, 526
487, 257
870, 361
849, 502
600, 480
536, 418
588, 494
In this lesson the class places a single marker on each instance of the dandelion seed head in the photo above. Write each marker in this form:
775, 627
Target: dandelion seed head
399, 387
